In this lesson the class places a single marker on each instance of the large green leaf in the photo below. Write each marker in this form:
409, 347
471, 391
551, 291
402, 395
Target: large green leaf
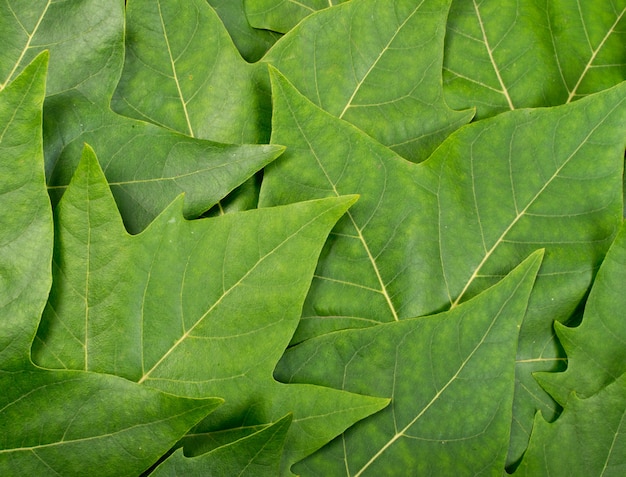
425, 237
59, 421
147, 166
283, 15
589, 438
195, 308
503, 55
256, 455
595, 349
377, 66
251, 42
460, 362
183, 71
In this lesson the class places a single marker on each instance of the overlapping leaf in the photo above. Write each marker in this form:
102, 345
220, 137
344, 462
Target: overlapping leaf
59, 421
183, 71
589, 438
425, 237
251, 42
596, 349
460, 362
194, 308
146, 165
256, 455
283, 15
376, 67
528, 53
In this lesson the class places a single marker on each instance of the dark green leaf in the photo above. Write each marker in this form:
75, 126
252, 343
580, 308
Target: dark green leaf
283, 15
256, 455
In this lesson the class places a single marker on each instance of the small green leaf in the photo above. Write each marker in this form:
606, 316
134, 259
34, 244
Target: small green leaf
589, 438
459, 363
376, 67
256, 455
251, 42
283, 15
595, 349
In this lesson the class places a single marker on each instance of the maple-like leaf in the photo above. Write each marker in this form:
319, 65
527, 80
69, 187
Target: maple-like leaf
596, 354
521, 53
377, 66
425, 237
194, 308
460, 362
147, 166
60, 422
589, 438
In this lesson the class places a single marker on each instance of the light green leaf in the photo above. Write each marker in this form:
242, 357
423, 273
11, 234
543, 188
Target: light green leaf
25, 215
146, 165
596, 349
194, 308
461, 362
251, 42
59, 422
283, 15
376, 67
182, 71
425, 237
256, 455
527, 53
589, 438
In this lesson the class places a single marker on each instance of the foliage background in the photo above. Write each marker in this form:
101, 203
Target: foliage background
426, 276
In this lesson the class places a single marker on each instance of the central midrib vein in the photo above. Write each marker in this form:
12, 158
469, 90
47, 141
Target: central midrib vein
594, 53
504, 90
525, 209
174, 72
380, 55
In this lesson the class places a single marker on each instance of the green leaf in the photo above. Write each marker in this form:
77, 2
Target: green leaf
251, 42
64, 422
460, 362
192, 307
589, 438
283, 15
425, 237
182, 71
25, 216
376, 67
256, 455
146, 165
59, 421
518, 54
595, 349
